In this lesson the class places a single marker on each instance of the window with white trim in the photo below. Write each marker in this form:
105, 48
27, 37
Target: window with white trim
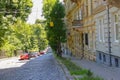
101, 30
116, 28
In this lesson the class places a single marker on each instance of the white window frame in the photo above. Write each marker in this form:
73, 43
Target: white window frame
101, 30
116, 23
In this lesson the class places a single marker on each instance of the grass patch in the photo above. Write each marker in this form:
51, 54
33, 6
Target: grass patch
79, 72
89, 78
73, 68
76, 70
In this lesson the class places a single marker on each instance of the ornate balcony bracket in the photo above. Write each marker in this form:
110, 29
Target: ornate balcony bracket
76, 1
77, 23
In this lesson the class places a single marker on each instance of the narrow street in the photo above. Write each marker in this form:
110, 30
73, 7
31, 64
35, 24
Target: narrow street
41, 68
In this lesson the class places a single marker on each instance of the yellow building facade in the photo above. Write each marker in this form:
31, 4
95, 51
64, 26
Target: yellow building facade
80, 28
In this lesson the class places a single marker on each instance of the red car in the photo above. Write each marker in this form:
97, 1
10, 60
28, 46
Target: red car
24, 57
41, 53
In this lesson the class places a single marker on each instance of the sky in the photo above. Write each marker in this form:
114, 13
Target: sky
36, 11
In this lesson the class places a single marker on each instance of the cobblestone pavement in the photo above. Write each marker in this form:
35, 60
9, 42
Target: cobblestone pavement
101, 70
41, 68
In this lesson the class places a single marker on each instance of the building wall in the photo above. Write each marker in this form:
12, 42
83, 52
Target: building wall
81, 40
89, 30
90, 40
102, 47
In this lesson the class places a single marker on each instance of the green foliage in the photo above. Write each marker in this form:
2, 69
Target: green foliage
40, 40
74, 69
15, 33
90, 78
21, 35
47, 7
10, 12
54, 11
78, 71
89, 73
16, 8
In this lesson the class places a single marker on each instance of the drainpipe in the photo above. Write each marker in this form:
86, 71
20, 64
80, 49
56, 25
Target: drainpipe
109, 35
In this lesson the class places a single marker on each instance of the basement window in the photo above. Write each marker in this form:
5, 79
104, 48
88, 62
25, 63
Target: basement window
116, 62
104, 58
100, 56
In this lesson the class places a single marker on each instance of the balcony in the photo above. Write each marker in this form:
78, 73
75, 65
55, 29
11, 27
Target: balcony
74, 1
77, 23
115, 3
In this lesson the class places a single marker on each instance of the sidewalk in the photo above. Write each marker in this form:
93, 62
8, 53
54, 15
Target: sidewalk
101, 70
9, 58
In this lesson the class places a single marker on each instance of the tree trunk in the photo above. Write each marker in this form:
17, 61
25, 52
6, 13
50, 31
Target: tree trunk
26, 50
59, 51
15, 52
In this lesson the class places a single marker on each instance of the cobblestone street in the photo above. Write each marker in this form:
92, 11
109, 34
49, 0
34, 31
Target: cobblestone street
41, 68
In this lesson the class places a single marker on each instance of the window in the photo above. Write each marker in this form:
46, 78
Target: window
101, 30
80, 14
116, 27
116, 62
100, 56
104, 58
86, 8
86, 38
91, 6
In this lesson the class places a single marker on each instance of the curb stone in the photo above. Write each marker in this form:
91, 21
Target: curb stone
65, 70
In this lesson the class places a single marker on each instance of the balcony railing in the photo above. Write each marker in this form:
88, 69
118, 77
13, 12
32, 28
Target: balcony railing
77, 23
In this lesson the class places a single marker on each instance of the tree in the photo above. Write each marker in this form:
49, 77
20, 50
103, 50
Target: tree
16, 8
18, 37
56, 34
10, 11
40, 35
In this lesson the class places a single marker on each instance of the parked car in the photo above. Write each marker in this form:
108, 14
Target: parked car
32, 55
24, 56
41, 53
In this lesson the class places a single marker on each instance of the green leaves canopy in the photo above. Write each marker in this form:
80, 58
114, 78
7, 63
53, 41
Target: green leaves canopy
54, 11
10, 11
